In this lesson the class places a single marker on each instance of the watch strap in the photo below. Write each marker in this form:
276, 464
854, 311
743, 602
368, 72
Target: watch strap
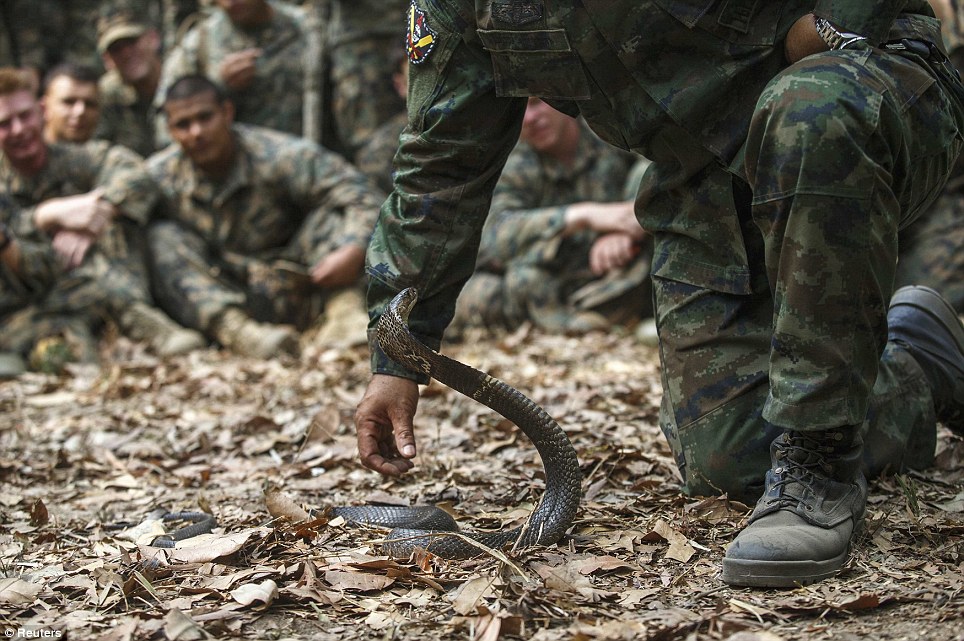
833, 37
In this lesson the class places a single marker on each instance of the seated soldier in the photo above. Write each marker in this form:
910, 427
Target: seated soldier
46, 313
130, 50
89, 201
256, 228
561, 246
71, 103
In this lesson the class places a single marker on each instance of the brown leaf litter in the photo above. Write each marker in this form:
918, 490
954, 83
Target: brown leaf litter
87, 456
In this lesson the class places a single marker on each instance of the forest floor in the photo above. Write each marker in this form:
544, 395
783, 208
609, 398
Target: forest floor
86, 455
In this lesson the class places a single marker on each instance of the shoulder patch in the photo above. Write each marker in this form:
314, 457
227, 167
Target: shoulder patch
421, 38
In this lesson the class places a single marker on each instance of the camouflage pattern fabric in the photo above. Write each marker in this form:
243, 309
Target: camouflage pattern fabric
275, 98
774, 254
538, 269
43, 33
364, 41
244, 241
931, 251
125, 119
118, 262
41, 301
376, 158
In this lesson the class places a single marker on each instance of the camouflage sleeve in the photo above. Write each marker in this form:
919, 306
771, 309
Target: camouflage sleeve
322, 179
516, 219
870, 19
449, 160
127, 185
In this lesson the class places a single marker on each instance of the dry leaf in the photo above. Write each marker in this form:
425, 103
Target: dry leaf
279, 506
357, 581
472, 593
17, 591
179, 626
263, 593
679, 547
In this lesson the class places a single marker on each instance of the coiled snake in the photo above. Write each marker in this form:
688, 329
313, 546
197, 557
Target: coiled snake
426, 527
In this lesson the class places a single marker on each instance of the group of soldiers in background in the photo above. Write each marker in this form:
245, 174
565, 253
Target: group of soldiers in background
211, 170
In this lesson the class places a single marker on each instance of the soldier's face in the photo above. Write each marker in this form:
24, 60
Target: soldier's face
544, 128
134, 58
71, 109
245, 12
21, 127
202, 127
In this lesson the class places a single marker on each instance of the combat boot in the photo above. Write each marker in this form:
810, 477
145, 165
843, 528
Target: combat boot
11, 365
345, 320
813, 503
142, 322
926, 325
241, 334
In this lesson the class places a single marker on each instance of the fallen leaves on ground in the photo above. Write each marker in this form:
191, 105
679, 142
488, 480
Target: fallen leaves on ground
265, 446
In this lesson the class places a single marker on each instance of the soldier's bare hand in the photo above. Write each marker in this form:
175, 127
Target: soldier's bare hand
72, 246
604, 218
611, 251
383, 422
238, 68
88, 213
339, 268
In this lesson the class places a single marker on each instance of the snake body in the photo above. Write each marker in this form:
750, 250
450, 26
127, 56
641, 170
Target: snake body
431, 528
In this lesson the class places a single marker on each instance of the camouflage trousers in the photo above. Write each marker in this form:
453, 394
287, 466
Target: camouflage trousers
932, 249
562, 296
806, 348
112, 276
195, 283
73, 309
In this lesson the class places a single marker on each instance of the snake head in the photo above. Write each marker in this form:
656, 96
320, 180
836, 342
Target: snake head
403, 303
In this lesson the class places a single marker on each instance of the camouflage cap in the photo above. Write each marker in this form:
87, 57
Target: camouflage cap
117, 26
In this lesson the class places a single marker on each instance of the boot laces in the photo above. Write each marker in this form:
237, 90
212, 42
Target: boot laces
801, 462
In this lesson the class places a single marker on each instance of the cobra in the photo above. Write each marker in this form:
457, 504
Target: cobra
431, 528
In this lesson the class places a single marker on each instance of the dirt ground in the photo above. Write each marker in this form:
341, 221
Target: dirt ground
88, 455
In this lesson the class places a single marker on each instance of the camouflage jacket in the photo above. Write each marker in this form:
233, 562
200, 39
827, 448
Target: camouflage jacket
125, 118
276, 183
355, 19
74, 169
531, 198
375, 159
674, 80
276, 96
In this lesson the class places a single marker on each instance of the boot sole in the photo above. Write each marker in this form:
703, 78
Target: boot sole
930, 302
779, 574
933, 304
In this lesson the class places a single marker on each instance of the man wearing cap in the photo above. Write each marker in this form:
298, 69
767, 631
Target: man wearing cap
255, 50
131, 53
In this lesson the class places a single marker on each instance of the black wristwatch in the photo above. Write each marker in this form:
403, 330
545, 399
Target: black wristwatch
835, 38
7, 237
